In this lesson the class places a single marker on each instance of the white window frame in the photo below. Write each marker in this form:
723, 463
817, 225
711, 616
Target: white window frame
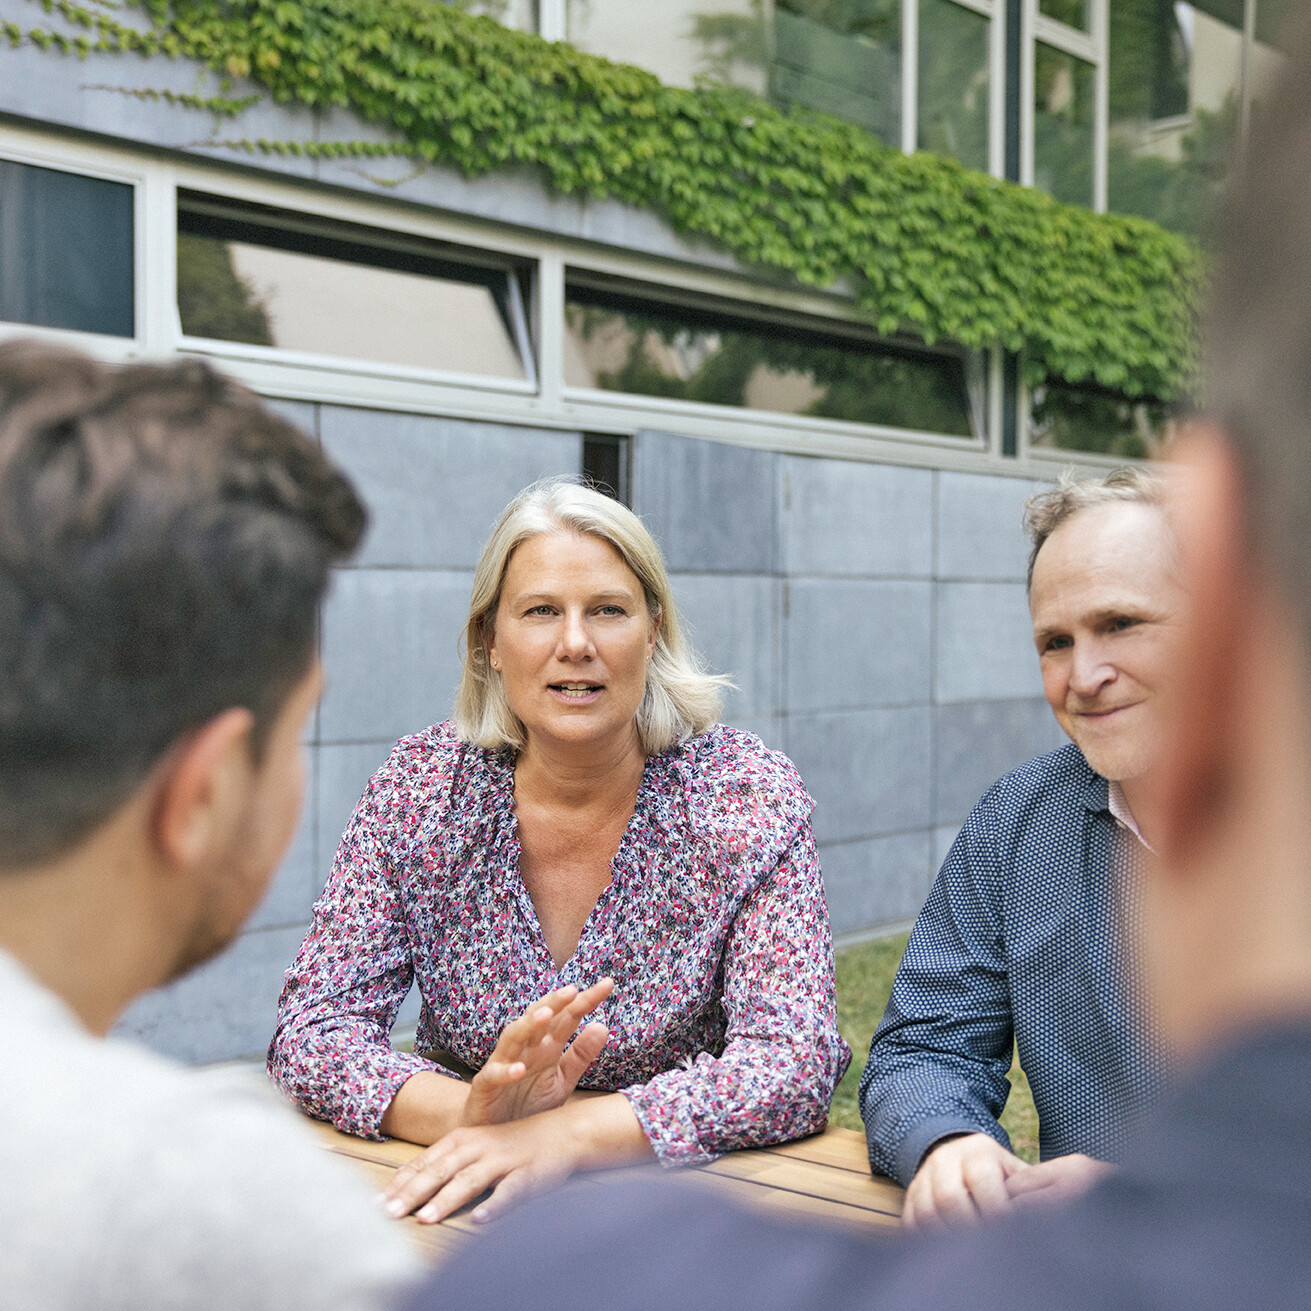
528, 385
285, 375
1091, 47
994, 12
148, 185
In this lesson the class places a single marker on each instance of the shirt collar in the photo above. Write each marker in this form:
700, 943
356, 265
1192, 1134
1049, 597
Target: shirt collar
1118, 805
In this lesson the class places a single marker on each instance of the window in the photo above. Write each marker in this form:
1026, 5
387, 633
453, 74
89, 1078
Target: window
522, 14
66, 250
682, 41
1177, 96
1063, 130
266, 278
953, 76
1067, 418
605, 465
621, 340
843, 57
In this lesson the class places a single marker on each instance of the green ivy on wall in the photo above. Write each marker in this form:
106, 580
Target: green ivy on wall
926, 245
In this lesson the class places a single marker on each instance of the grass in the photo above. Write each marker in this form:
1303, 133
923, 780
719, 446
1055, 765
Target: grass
865, 976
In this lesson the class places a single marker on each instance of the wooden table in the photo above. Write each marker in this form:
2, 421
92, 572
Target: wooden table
823, 1177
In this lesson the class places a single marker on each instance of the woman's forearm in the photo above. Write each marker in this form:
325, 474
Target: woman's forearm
603, 1131
426, 1107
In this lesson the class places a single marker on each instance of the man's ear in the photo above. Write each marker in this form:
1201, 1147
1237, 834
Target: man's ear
1216, 563
200, 784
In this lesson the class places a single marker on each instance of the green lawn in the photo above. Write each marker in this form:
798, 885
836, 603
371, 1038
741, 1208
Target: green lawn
864, 981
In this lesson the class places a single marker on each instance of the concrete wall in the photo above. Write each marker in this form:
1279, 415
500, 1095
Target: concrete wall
873, 618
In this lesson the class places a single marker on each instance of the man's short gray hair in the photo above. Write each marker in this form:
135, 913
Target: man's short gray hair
1044, 512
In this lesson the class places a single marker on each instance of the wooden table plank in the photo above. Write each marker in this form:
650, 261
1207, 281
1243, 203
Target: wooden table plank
811, 1179
823, 1177
778, 1201
845, 1149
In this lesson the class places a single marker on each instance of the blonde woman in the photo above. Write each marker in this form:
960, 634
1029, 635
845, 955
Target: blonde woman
582, 832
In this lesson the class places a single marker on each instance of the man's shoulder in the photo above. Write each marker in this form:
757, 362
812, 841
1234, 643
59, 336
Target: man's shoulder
1059, 783
127, 1161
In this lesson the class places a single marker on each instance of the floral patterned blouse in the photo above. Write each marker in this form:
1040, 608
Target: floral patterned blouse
723, 1028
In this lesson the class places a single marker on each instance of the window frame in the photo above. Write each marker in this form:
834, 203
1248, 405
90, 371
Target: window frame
588, 399
281, 376
279, 219
90, 162
1092, 48
995, 12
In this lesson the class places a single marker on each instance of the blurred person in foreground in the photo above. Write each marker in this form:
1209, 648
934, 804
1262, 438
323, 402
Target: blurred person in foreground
164, 544
1212, 1209
1021, 943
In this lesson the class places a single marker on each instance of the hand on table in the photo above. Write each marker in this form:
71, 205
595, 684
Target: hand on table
1057, 1180
534, 1067
961, 1179
514, 1158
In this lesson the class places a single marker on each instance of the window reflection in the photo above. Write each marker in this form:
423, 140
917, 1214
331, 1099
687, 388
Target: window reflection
244, 282
66, 250
683, 42
616, 342
1175, 75
1074, 13
1085, 419
842, 57
1063, 125
521, 14
953, 82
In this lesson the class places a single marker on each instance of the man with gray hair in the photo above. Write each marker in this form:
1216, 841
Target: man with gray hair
1020, 941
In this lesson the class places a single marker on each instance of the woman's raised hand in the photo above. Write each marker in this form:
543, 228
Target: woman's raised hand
534, 1066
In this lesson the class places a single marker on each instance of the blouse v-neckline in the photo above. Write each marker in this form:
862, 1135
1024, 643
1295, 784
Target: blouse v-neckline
513, 869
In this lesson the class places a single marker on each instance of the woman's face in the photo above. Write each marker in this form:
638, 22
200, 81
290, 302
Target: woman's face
572, 639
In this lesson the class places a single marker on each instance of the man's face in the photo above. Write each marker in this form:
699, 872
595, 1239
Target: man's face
235, 880
1105, 602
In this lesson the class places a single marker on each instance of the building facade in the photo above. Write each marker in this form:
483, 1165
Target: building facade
840, 509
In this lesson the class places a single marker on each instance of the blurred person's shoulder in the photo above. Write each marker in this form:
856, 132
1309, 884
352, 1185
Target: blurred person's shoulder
137, 1182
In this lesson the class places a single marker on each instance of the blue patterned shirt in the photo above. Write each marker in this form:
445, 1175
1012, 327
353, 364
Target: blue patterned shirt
1021, 939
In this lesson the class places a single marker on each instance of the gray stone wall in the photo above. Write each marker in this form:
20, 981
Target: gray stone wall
873, 619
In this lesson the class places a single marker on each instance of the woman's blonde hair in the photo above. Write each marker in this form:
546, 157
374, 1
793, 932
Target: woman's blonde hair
681, 699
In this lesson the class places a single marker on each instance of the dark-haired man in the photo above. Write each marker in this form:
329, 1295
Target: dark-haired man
1020, 941
1212, 1208
164, 543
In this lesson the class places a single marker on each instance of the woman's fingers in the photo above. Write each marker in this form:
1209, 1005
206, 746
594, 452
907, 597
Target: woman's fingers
582, 1052
459, 1190
426, 1178
516, 1185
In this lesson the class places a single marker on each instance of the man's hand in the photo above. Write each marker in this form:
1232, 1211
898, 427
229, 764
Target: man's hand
1057, 1180
961, 1179
531, 1069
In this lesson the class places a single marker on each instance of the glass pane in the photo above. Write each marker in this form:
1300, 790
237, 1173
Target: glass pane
1174, 75
1079, 419
1062, 125
520, 14
842, 57
269, 296
1074, 13
65, 250
953, 82
682, 41
617, 343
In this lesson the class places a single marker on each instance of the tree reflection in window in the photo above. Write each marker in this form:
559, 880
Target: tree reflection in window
621, 345
1098, 422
